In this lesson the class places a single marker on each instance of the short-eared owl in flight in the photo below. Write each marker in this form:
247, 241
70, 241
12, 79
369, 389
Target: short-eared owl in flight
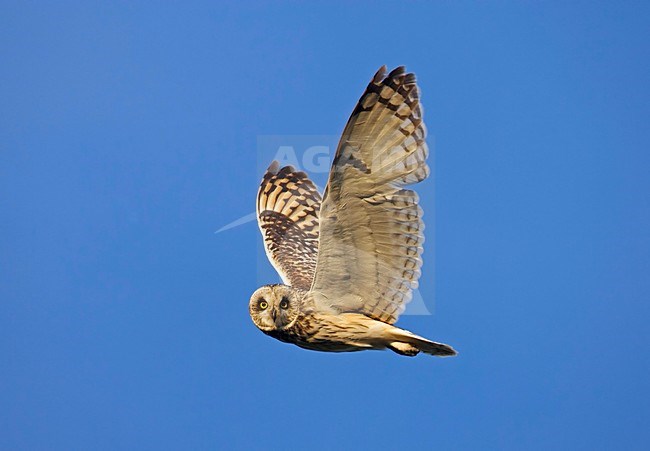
350, 260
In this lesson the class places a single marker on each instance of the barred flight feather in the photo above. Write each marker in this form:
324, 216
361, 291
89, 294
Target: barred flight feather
288, 204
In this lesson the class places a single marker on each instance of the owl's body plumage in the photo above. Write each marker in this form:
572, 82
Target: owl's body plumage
350, 260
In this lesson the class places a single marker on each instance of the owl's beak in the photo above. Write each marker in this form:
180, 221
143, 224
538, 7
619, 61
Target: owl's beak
274, 314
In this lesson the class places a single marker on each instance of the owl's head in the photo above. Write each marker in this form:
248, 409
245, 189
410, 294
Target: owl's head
274, 307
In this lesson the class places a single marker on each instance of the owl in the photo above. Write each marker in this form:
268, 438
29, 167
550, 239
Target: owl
350, 259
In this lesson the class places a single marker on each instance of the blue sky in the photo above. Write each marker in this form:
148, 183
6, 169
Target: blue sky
129, 135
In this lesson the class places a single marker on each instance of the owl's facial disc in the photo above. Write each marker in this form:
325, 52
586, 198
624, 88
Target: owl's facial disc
273, 307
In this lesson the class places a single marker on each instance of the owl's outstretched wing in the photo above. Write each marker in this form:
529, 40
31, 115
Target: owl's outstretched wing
288, 204
371, 231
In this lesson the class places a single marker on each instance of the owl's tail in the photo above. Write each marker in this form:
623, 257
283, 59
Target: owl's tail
407, 343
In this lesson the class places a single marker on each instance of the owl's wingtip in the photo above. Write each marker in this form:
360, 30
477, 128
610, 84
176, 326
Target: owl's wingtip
380, 74
273, 167
398, 72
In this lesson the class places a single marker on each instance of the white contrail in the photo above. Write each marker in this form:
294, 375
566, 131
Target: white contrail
243, 220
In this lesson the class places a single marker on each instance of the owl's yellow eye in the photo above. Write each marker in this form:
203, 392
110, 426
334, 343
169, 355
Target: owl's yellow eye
284, 303
263, 304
